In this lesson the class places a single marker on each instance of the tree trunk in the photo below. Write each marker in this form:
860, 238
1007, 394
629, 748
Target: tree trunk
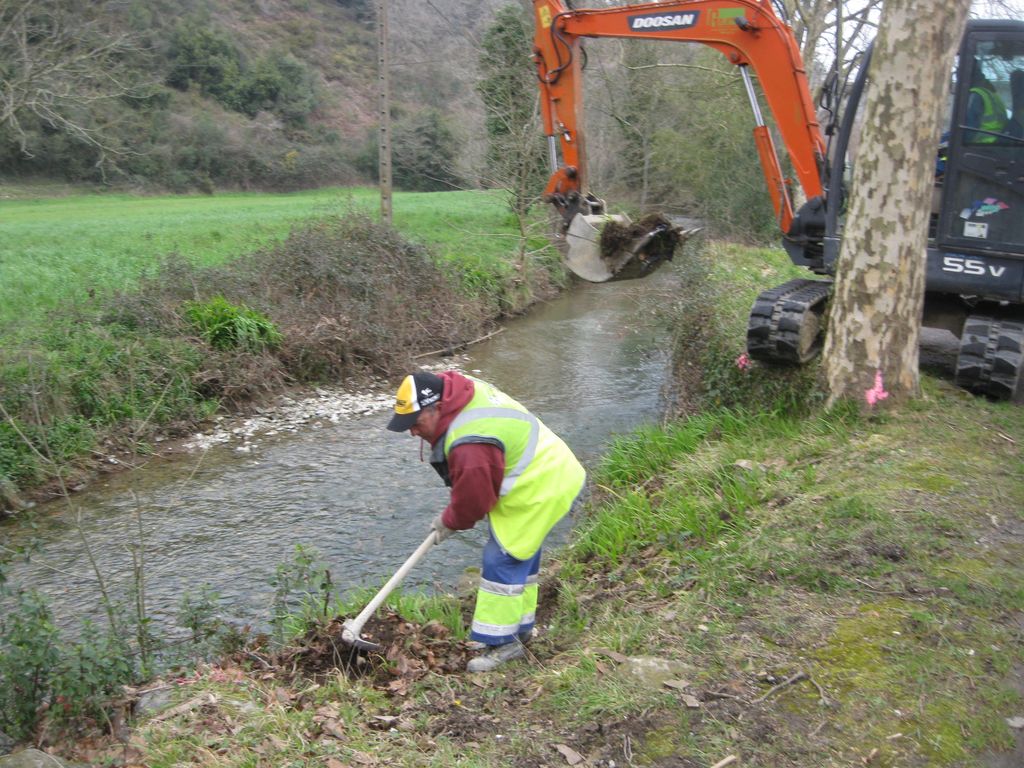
876, 307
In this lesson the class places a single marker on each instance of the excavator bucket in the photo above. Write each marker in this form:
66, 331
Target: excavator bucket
604, 247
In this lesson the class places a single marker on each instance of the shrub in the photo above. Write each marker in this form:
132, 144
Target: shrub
348, 296
29, 655
352, 295
73, 680
204, 55
302, 590
224, 325
279, 84
198, 612
81, 383
90, 673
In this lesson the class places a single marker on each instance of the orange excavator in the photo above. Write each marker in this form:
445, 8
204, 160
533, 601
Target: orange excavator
975, 274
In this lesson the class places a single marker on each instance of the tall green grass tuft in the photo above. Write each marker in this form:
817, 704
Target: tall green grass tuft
446, 610
224, 325
695, 491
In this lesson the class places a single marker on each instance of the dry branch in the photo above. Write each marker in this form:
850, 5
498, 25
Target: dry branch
458, 346
801, 675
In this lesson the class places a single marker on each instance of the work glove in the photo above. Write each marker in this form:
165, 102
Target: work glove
442, 530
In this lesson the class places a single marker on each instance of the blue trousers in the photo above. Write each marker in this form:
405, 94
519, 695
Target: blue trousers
506, 602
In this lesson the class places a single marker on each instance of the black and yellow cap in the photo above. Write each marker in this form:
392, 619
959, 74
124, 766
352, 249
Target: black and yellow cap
416, 392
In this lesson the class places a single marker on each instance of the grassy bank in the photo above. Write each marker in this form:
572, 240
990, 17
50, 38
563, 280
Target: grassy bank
121, 317
818, 591
786, 587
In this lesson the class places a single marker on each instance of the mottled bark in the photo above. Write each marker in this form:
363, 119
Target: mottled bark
875, 319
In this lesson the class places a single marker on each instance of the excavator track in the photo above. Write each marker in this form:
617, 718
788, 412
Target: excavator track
991, 358
785, 324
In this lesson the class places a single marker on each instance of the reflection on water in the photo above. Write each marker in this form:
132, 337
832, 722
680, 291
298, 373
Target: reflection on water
591, 364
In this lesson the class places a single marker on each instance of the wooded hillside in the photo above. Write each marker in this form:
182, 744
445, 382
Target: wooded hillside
281, 94
201, 94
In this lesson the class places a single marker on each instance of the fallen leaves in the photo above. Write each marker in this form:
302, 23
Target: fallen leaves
330, 722
399, 687
327, 711
334, 729
271, 745
615, 656
691, 702
408, 652
281, 696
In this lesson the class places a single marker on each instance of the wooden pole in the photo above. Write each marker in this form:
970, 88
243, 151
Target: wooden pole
384, 138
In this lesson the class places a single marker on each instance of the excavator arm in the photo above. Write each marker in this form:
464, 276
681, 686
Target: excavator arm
747, 32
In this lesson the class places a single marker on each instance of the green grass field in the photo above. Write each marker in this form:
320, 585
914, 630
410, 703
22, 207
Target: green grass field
56, 250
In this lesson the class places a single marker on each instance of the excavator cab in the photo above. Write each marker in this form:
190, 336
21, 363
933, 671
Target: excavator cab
982, 209
974, 284
975, 279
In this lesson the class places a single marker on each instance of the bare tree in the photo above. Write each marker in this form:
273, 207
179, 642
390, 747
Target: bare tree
875, 320
58, 63
515, 152
834, 30
996, 9
507, 88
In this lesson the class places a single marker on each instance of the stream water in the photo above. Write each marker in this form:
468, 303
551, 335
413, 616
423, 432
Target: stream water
591, 364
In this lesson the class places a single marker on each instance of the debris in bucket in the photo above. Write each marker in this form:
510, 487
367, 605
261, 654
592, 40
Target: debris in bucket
617, 237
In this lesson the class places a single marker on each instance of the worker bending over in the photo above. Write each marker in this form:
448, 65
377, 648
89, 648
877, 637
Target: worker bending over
500, 462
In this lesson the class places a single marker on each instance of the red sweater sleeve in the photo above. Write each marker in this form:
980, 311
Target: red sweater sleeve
476, 471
